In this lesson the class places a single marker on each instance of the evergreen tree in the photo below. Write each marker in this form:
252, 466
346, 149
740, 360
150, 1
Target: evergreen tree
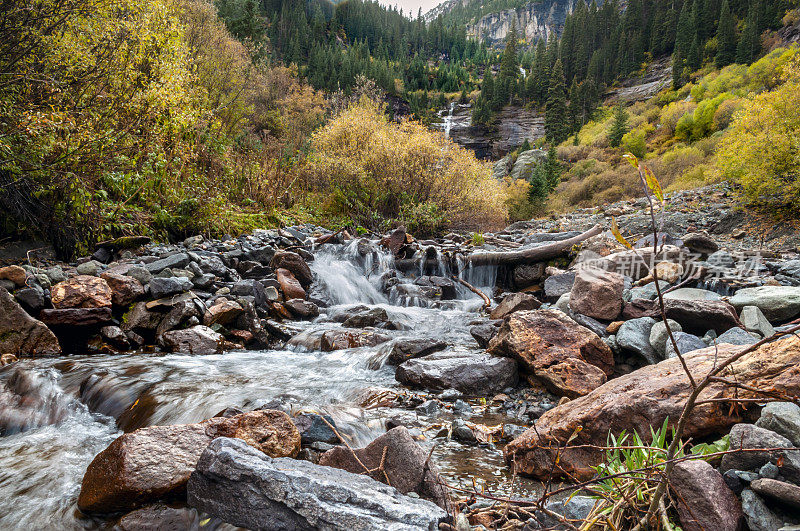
619, 126
726, 37
749, 45
555, 121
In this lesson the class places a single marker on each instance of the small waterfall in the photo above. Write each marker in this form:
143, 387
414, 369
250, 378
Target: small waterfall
448, 121
352, 274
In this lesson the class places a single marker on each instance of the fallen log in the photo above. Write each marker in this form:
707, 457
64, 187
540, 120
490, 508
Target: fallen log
533, 254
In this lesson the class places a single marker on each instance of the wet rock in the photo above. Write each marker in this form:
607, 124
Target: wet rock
700, 243
406, 349
472, 374
341, 339
164, 287
515, 302
526, 275
175, 261
406, 464
783, 418
557, 285
13, 273
7, 359
597, 293
659, 337
429, 408
290, 287
198, 340
698, 316
751, 437
686, 343
704, 501
159, 517
736, 336
248, 489
366, 318
444, 287
302, 309
115, 336
758, 514
569, 358
154, 463
22, 334
483, 334
778, 303
124, 289
81, 292
222, 312
784, 493
754, 321
645, 398
313, 428
76, 316
295, 264
395, 241
461, 408
462, 432
634, 336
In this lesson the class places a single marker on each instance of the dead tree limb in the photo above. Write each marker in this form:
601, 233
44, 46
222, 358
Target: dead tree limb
486, 301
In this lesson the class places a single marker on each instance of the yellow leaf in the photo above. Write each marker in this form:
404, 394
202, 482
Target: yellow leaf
618, 235
653, 184
630, 157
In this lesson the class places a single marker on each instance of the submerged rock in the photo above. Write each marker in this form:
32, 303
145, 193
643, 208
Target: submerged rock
249, 489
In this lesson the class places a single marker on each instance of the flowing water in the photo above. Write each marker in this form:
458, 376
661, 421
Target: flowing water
56, 414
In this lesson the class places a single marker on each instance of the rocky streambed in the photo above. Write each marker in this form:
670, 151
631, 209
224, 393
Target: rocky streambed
301, 378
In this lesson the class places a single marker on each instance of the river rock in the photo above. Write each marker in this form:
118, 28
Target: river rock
13, 273
659, 337
754, 321
700, 243
406, 349
76, 316
515, 302
124, 289
634, 336
647, 396
483, 333
704, 501
140, 319
686, 343
406, 464
222, 312
249, 489
783, 418
569, 358
472, 374
154, 463
557, 285
780, 491
22, 334
597, 293
7, 359
751, 437
302, 309
692, 294
166, 286
736, 336
32, 299
159, 517
290, 287
313, 428
82, 291
758, 514
699, 316
197, 340
175, 261
366, 318
350, 338
294, 263
778, 303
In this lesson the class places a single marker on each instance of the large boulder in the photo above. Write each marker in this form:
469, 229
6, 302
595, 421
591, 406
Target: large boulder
569, 358
406, 349
700, 316
293, 262
472, 374
223, 312
22, 334
778, 303
291, 288
249, 489
597, 293
196, 340
704, 500
645, 398
350, 338
124, 289
406, 466
83, 291
515, 302
155, 463
76, 316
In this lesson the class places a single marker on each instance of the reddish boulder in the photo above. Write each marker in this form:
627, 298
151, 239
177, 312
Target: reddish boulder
646, 397
124, 290
289, 285
83, 291
22, 334
597, 293
223, 311
155, 463
14, 273
293, 262
406, 465
346, 338
568, 358
515, 302
76, 316
704, 501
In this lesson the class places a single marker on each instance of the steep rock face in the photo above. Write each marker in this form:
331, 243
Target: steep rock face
537, 20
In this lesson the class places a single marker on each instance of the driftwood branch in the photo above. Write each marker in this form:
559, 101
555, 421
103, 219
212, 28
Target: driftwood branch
486, 301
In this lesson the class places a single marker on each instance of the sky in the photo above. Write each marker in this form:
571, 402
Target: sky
412, 5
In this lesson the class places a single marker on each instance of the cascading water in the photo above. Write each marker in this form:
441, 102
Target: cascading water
448, 121
56, 414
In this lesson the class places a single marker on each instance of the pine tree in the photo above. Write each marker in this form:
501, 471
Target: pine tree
553, 168
555, 121
726, 37
749, 45
619, 126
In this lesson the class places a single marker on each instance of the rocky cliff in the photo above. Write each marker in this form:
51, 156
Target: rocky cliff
536, 19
